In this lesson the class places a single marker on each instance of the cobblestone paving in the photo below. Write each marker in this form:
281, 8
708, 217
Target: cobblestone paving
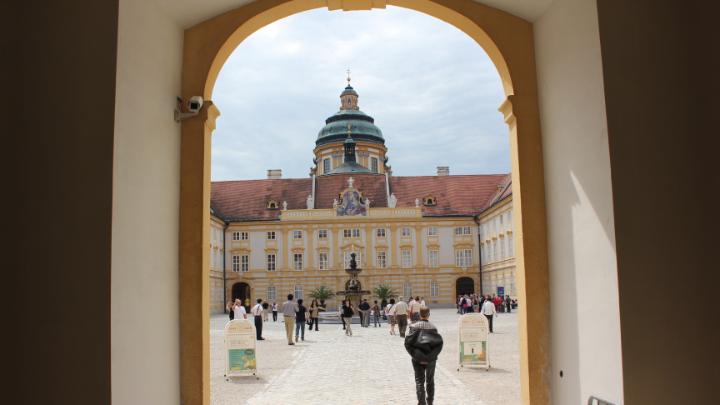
371, 367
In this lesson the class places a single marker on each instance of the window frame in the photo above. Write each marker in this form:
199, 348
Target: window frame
297, 234
271, 265
322, 233
381, 259
433, 231
244, 263
326, 265
235, 263
406, 232
301, 260
406, 264
433, 263
380, 230
271, 233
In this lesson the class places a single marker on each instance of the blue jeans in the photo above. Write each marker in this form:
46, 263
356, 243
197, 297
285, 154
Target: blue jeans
376, 319
299, 329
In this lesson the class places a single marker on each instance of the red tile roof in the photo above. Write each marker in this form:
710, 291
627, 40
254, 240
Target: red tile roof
464, 195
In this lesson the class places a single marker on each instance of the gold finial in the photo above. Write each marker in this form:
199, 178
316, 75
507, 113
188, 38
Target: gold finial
348, 76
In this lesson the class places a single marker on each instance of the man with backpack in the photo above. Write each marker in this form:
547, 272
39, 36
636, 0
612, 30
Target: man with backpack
424, 344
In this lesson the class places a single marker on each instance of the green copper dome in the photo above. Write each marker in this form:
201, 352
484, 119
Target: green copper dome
362, 126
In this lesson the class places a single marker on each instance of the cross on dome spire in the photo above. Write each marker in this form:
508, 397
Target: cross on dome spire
349, 97
348, 76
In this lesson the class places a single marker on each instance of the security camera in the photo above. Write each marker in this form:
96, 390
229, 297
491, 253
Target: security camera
193, 107
195, 104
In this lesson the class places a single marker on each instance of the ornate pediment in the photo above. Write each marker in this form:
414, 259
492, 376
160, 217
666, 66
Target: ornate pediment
351, 202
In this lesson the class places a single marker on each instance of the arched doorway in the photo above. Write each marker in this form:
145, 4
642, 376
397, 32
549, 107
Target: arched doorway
508, 41
241, 291
464, 285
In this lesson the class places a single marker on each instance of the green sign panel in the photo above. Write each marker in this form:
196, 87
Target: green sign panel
240, 360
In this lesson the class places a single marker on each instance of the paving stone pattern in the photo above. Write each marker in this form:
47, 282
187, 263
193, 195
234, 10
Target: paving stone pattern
371, 367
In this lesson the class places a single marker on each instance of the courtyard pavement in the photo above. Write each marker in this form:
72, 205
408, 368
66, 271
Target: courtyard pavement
371, 367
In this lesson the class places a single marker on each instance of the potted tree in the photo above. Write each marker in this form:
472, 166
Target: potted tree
321, 294
384, 292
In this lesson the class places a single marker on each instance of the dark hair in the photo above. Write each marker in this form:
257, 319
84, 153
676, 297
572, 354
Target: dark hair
424, 312
290, 297
375, 301
259, 300
392, 300
300, 301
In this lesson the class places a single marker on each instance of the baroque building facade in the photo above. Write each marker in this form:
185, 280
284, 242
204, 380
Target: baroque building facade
426, 236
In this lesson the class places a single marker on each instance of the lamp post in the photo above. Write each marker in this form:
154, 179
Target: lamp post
476, 218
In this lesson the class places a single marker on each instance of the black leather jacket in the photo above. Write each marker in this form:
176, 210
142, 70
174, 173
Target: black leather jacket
424, 345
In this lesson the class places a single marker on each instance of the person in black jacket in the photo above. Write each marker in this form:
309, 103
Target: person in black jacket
424, 344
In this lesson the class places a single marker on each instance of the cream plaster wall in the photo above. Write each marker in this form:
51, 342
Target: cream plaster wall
585, 326
144, 282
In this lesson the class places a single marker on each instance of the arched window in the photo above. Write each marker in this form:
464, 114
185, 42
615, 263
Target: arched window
429, 201
272, 205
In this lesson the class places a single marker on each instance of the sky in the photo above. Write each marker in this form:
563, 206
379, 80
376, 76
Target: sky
432, 90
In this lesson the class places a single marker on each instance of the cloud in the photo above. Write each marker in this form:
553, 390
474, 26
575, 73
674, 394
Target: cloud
431, 89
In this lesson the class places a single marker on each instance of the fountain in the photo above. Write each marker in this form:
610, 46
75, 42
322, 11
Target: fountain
353, 289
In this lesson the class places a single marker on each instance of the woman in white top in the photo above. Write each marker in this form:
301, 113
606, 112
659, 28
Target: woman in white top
390, 312
239, 308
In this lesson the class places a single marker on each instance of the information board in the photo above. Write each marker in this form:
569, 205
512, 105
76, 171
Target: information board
473, 341
240, 359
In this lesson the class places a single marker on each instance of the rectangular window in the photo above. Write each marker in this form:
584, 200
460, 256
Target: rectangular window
407, 290
271, 235
322, 234
236, 236
463, 257
462, 230
244, 236
271, 294
298, 292
381, 260
380, 232
434, 288
502, 247
236, 263
298, 261
297, 234
406, 231
374, 165
351, 233
406, 258
323, 261
433, 258
433, 231
271, 262
511, 247
326, 166
244, 263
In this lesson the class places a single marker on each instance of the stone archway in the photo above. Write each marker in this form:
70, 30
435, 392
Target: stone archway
464, 285
508, 40
241, 291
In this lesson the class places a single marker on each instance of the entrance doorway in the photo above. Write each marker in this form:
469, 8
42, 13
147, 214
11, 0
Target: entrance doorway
464, 285
241, 291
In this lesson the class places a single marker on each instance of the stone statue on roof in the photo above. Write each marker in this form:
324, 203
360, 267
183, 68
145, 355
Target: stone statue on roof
335, 203
310, 202
367, 204
392, 201
284, 205
417, 202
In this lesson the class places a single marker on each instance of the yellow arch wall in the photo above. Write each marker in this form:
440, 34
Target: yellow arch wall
507, 39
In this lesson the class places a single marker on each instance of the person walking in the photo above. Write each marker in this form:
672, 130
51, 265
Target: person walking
289, 308
265, 311
257, 312
375, 314
340, 312
364, 308
347, 313
231, 312
300, 318
401, 316
314, 314
239, 309
508, 304
424, 344
390, 313
415, 309
488, 309
274, 311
